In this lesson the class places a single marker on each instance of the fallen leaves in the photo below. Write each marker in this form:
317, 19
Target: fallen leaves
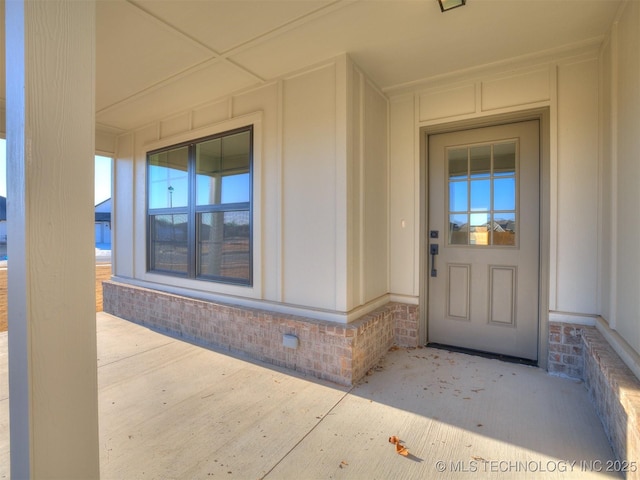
400, 449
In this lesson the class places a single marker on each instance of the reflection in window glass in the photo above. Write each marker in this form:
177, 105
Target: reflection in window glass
504, 197
224, 244
168, 179
458, 164
478, 228
236, 188
504, 159
458, 229
504, 229
482, 194
458, 196
222, 170
169, 243
480, 161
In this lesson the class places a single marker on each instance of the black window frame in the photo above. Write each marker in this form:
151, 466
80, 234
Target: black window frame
193, 211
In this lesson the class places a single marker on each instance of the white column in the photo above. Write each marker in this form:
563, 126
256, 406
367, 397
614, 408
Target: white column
50, 65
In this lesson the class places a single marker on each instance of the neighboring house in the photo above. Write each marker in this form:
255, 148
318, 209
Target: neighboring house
103, 224
297, 169
3, 220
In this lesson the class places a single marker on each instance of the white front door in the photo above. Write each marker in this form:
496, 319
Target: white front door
483, 237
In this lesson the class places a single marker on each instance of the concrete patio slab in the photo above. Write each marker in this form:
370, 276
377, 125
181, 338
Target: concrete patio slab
172, 410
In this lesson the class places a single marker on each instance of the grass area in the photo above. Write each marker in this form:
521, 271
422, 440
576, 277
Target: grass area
103, 272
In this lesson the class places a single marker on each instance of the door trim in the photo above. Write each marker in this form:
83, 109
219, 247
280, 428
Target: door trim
543, 116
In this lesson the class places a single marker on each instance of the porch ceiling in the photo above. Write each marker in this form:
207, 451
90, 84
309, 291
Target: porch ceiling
155, 58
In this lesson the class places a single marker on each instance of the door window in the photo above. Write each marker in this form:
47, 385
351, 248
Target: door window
482, 194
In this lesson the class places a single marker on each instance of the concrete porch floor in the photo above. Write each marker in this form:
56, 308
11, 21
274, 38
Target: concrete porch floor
172, 410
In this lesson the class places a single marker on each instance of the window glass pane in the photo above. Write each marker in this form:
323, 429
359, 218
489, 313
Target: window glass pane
458, 196
457, 160
480, 161
458, 229
208, 168
207, 186
168, 180
504, 159
236, 150
504, 229
478, 228
482, 201
236, 188
480, 195
224, 244
169, 243
222, 170
504, 194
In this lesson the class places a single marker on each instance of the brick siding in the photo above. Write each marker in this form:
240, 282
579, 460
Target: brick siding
615, 392
341, 353
581, 352
566, 350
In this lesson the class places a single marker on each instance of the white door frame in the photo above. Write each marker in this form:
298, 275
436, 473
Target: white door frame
543, 115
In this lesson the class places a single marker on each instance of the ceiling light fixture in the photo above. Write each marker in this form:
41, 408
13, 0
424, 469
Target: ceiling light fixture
451, 4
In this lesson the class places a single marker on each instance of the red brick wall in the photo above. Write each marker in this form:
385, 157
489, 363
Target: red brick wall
566, 349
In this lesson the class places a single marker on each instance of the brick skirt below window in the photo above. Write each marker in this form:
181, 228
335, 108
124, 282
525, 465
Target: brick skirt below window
341, 353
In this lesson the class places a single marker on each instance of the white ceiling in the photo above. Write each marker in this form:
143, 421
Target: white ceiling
157, 57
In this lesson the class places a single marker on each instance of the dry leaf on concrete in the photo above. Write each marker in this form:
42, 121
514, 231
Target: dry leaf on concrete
400, 449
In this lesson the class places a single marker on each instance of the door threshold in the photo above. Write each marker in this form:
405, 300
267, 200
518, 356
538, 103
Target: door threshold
480, 353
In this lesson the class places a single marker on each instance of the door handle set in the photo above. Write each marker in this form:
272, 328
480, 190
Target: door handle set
433, 251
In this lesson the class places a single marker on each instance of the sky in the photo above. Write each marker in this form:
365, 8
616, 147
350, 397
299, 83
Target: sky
102, 180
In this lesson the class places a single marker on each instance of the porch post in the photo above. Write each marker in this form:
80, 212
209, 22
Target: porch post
53, 401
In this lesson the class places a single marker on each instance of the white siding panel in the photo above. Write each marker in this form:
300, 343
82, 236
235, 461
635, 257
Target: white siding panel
122, 213
174, 125
521, 89
628, 176
577, 187
309, 189
606, 174
448, 103
403, 199
209, 114
376, 195
354, 169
